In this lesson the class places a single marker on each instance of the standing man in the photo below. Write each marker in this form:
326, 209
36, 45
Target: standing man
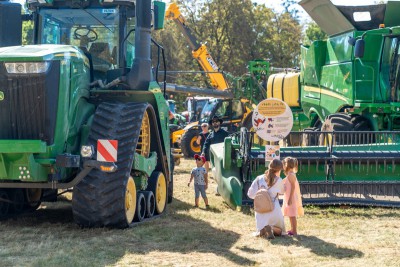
216, 136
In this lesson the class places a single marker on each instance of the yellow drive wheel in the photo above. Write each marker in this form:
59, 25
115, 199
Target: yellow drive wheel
189, 146
130, 200
194, 146
143, 145
158, 185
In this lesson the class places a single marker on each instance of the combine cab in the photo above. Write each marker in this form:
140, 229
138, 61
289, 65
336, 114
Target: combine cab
81, 110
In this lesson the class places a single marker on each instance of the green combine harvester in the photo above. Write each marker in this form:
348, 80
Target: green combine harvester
82, 111
346, 101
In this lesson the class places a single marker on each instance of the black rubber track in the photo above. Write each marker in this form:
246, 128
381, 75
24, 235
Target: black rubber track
99, 199
186, 141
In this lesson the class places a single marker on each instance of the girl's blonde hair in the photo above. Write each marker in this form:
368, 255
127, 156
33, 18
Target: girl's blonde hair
274, 166
290, 163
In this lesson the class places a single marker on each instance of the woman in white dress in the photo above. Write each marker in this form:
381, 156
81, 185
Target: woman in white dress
271, 223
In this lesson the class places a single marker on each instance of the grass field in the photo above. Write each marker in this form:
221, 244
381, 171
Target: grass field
185, 236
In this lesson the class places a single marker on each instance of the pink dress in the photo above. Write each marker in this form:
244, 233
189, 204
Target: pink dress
296, 208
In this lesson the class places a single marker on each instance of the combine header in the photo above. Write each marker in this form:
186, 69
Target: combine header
365, 171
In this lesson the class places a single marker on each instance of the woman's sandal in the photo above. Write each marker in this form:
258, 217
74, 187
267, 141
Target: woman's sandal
290, 233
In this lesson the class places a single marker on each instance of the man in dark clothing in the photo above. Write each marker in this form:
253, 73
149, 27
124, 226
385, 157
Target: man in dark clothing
216, 136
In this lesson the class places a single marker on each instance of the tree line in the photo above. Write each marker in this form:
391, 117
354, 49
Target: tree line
235, 32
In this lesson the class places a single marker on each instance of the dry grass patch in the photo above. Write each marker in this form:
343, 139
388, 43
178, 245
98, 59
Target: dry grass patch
185, 236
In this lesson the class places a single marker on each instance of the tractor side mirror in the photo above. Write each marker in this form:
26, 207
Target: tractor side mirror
10, 24
359, 48
159, 15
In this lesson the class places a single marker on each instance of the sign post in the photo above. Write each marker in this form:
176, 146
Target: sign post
272, 121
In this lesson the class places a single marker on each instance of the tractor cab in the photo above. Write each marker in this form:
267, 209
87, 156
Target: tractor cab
230, 110
104, 34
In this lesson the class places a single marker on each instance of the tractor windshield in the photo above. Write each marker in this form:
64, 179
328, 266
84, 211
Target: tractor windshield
207, 111
94, 30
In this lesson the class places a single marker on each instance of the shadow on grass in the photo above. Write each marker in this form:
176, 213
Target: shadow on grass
176, 231
250, 250
354, 211
319, 246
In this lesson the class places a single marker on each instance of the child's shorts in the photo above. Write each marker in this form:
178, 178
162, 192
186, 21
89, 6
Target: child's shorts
200, 189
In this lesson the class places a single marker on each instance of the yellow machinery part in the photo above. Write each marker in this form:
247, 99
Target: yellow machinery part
285, 86
130, 200
143, 145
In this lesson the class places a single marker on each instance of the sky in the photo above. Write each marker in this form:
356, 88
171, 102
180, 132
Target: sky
277, 5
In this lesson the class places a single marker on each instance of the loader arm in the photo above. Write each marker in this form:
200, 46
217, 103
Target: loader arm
199, 50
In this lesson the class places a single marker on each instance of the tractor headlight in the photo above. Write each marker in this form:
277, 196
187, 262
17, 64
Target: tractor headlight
27, 67
87, 151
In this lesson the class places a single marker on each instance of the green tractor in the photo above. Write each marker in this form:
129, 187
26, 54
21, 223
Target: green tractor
82, 110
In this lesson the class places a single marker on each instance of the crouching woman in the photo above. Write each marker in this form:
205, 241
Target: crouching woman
270, 224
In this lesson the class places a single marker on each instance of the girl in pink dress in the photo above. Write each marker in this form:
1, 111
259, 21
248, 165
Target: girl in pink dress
292, 204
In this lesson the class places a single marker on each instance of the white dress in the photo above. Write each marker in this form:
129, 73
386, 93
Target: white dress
275, 217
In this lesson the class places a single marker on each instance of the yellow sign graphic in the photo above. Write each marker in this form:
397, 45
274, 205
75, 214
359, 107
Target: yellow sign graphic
271, 108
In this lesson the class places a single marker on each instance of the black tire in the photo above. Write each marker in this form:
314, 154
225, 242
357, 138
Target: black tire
4, 204
188, 143
141, 208
158, 185
18, 199
347, 123
33, 197
109, 199
150, 203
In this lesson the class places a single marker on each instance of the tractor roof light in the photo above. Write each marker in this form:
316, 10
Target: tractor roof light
27, 67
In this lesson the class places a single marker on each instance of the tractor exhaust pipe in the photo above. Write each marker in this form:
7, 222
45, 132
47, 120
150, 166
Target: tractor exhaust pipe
140, 75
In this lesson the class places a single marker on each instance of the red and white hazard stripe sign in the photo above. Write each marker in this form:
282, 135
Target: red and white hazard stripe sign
107, 150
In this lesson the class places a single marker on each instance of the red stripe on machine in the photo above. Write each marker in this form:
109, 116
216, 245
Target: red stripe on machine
107, 150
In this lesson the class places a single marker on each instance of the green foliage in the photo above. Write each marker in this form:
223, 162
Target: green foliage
290, 7
235, 32
27, 32
313, 33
